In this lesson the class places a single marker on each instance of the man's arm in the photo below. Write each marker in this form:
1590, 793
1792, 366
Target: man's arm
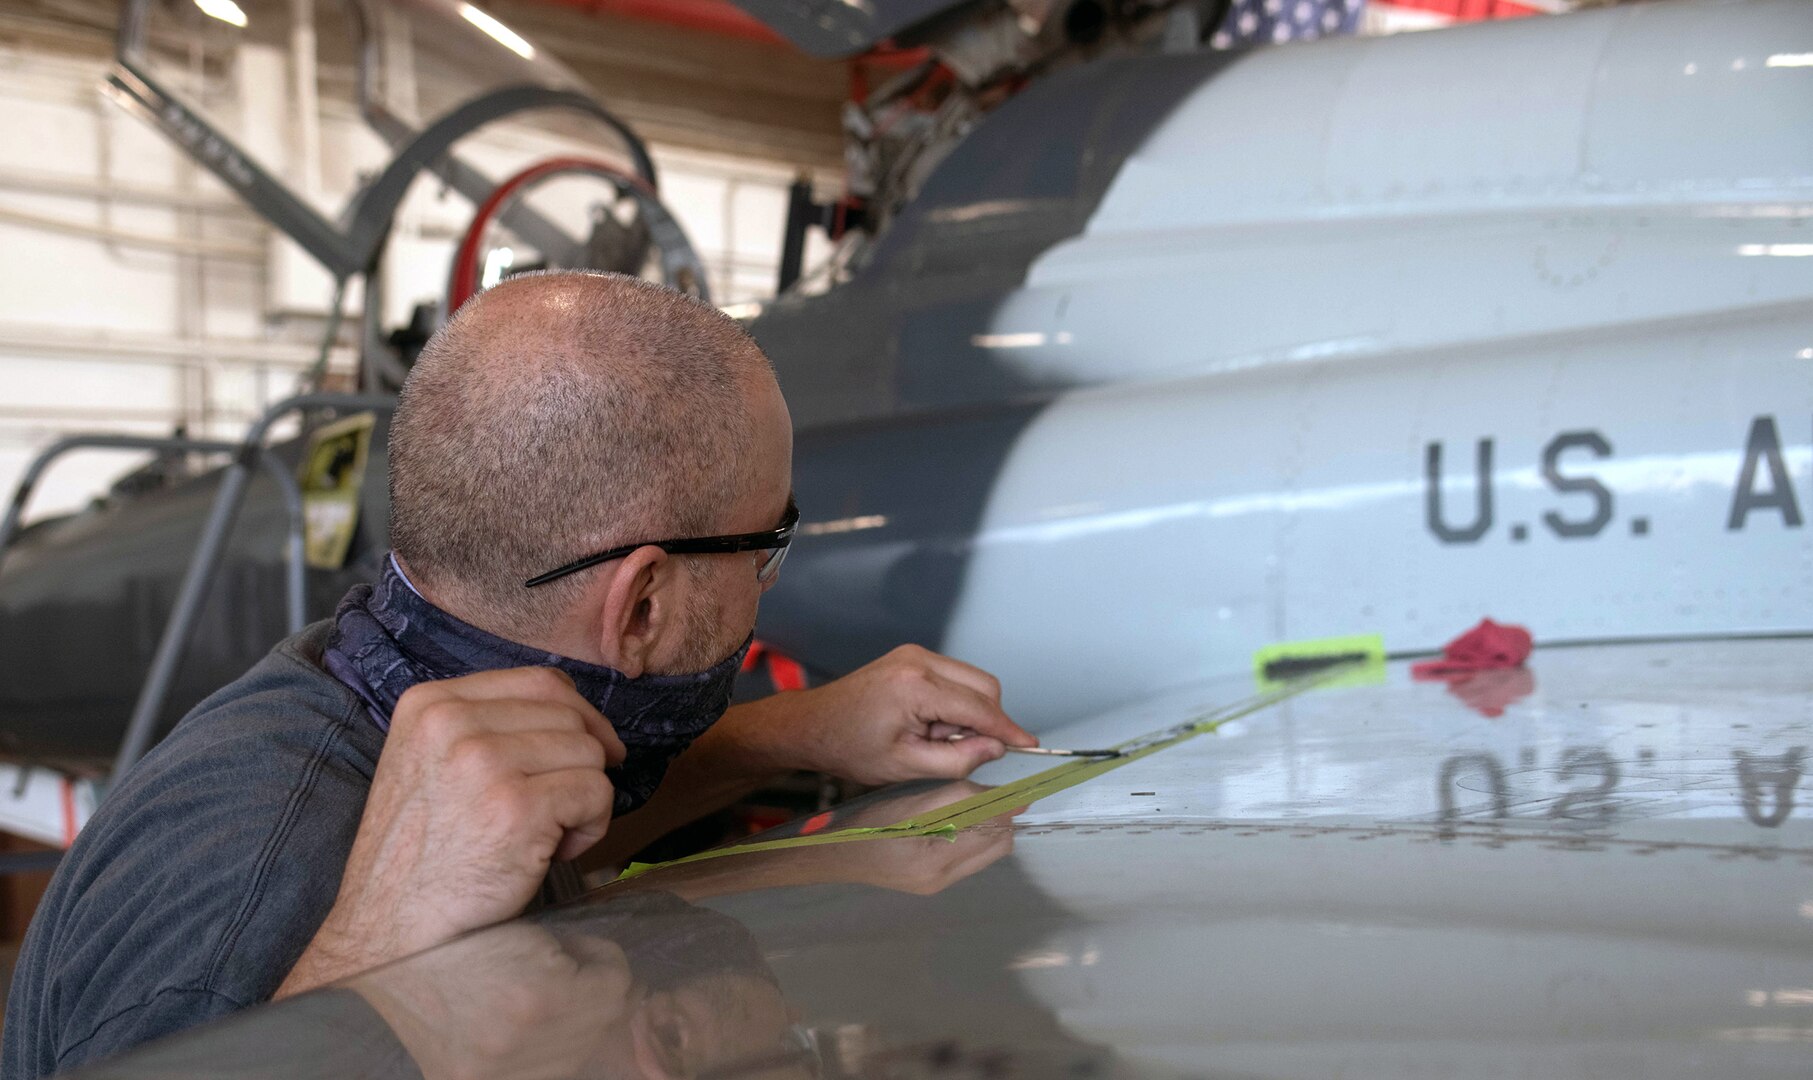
889, 721
484, 781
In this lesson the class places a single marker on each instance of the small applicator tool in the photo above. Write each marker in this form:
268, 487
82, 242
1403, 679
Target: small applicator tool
1055, 752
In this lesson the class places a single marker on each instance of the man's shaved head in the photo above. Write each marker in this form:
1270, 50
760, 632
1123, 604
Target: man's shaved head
561, 414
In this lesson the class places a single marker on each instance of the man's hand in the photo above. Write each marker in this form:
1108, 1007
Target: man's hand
484, 781
894, 719
516, 1000
922, 865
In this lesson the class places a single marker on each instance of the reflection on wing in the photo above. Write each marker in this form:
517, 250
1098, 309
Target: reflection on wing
1352, 881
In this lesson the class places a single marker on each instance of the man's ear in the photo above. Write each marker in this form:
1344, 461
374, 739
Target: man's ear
660, 1036
636, 609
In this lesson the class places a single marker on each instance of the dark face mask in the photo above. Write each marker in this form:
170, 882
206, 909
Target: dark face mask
387, 638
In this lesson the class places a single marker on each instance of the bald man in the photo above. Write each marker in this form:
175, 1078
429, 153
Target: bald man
590, 491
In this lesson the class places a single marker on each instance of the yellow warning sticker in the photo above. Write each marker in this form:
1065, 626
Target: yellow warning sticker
332, 476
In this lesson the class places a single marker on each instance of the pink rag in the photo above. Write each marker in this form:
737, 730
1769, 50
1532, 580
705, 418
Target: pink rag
1486, 647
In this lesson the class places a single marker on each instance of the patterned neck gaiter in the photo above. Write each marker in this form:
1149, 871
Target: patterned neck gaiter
387, 638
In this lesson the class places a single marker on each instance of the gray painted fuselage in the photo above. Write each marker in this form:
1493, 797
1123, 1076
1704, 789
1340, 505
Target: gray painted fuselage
1365, 337
1182, 356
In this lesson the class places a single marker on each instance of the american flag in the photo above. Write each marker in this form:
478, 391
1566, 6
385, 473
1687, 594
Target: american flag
1253, 22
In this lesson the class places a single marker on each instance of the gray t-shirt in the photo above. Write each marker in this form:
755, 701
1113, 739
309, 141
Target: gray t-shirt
204, 873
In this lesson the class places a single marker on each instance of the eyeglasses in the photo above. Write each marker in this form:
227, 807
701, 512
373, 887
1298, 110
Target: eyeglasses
774, 541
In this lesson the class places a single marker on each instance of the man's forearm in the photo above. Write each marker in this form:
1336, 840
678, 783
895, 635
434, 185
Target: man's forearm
748, 747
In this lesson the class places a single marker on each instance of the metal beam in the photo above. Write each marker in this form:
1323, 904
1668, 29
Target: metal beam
205, 564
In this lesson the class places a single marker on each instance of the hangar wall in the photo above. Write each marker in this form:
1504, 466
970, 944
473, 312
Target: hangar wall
136, 294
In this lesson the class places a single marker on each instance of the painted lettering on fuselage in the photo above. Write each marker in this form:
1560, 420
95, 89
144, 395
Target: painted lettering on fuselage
1762, 491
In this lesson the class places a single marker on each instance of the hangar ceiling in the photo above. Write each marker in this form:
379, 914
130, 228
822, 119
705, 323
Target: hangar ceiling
709, 87
697, 87
685, 73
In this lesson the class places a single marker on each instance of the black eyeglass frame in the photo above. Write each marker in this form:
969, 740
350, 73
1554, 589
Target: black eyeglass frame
776, 539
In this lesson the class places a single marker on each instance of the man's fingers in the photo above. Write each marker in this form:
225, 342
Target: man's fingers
953, 760
533, 752
449, 723
579, 801
513, 689
614, 750
516, 692
958, 705
527, 683
452, 722
938, 729
954, 670
598, 728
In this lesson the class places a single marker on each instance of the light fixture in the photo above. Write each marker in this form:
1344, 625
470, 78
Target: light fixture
224, 10
497, 31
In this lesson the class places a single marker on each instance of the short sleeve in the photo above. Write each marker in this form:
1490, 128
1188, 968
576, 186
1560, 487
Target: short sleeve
165, 1013
327, 1033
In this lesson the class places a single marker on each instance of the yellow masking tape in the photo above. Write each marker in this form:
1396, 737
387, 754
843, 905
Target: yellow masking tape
983, 806
1361, 658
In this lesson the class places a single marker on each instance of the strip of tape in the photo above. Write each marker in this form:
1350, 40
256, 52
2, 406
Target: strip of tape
983, 806
1359, 660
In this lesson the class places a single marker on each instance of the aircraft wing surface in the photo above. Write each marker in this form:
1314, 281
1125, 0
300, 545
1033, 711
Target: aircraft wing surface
835, 29
1595, 866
